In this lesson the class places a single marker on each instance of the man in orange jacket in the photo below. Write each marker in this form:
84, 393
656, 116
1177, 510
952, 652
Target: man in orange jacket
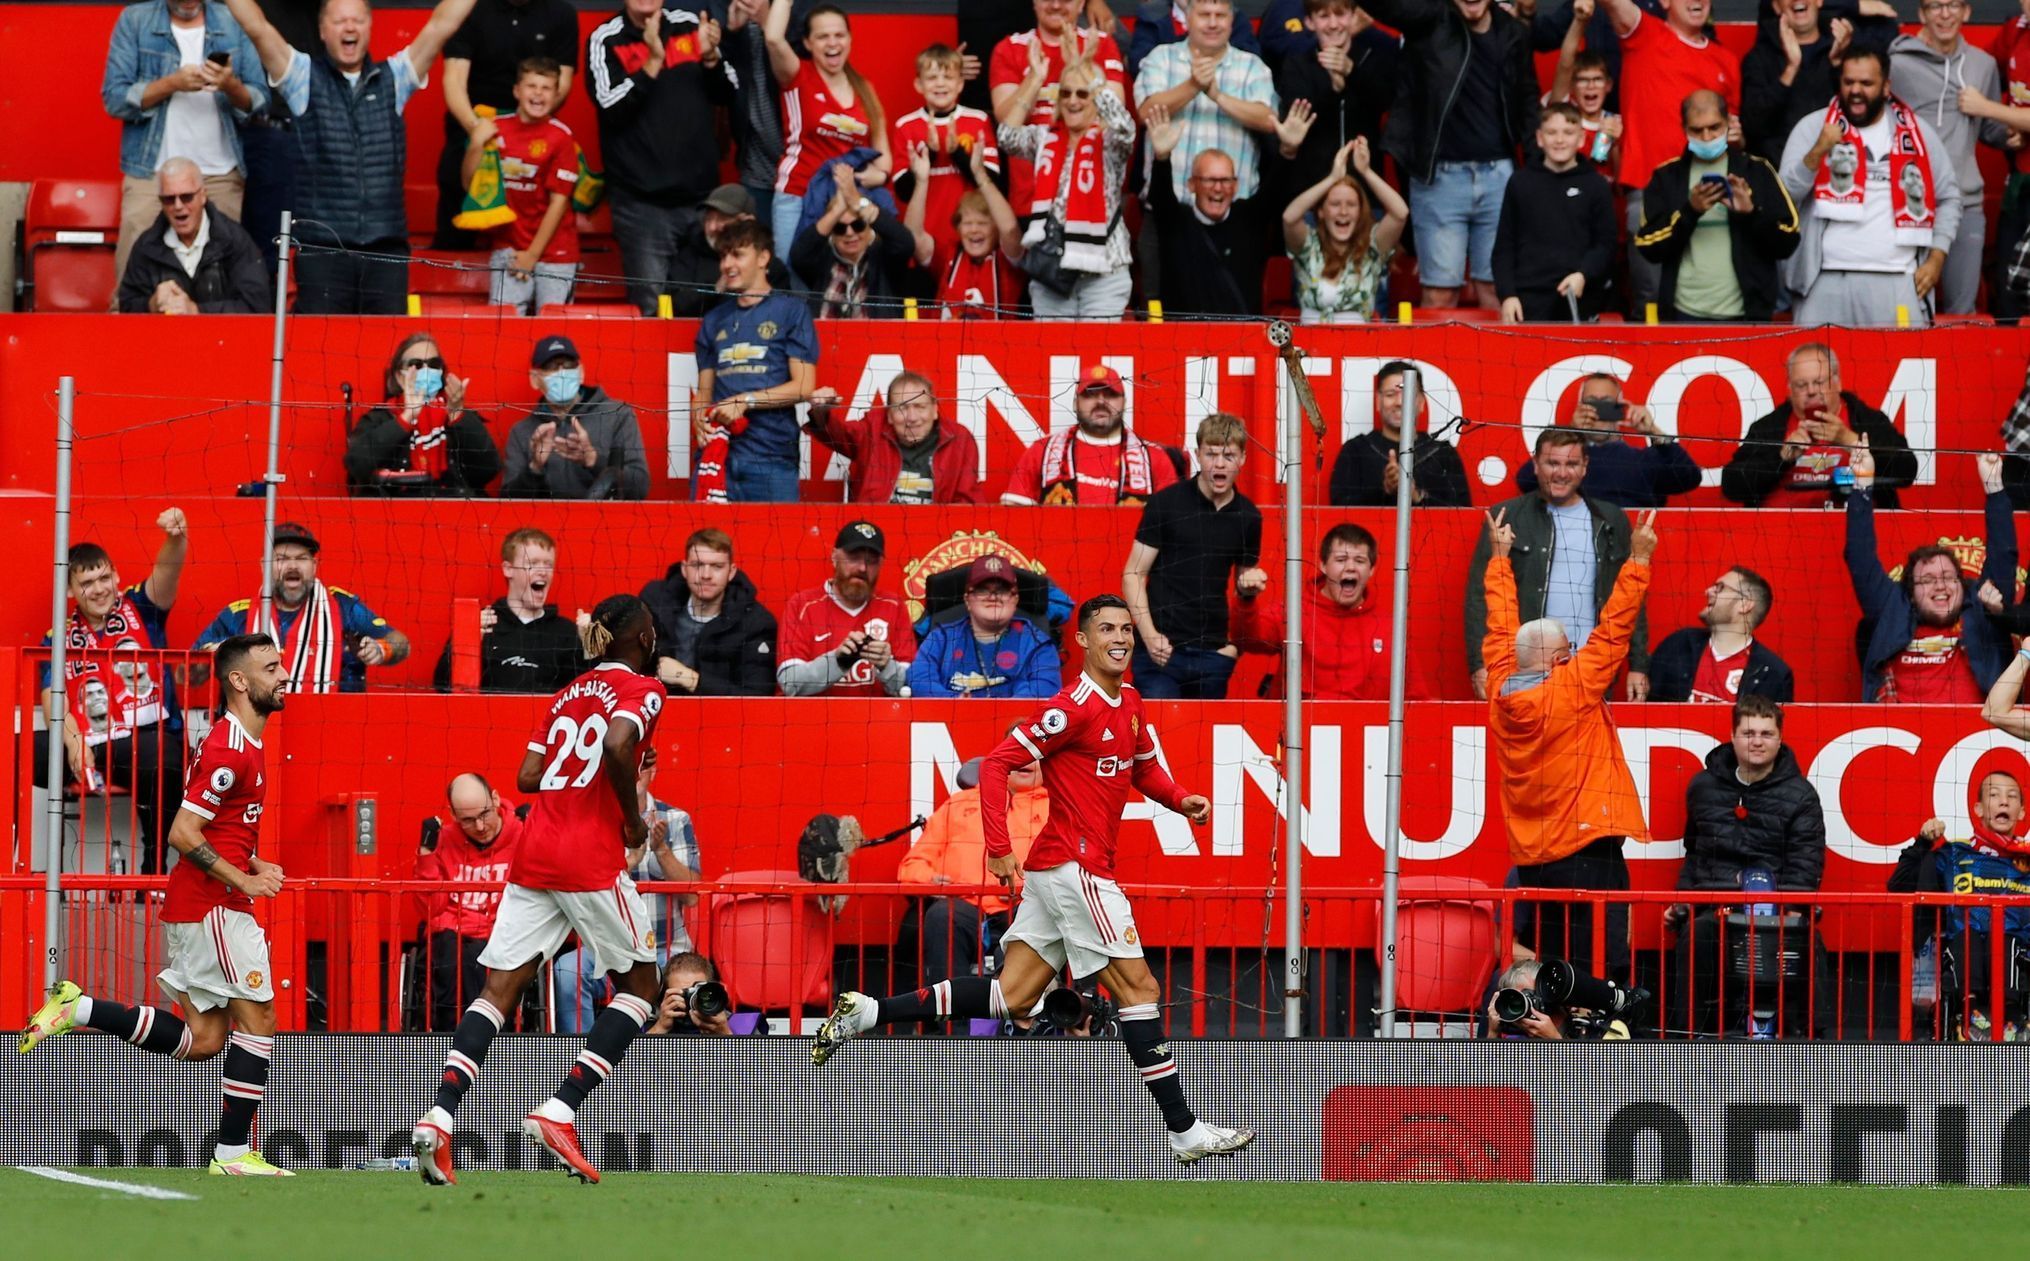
953, 850
1567, 798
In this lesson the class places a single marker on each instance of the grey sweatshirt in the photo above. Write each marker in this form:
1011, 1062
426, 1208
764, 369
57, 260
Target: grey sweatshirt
1802, 270
1929, 82
609, 424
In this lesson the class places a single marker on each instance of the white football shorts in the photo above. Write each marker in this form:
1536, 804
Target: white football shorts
222, 956
533, 923
1069, 915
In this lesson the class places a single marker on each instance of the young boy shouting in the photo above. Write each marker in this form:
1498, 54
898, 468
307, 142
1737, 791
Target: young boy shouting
535, 257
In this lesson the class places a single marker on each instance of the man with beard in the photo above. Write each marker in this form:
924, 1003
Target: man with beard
1098, 461
1346, 630
217, 973
1794, 68
713, 637
1720, 660
1568, 550
1365, 473
1193, 538
1750, 810
844, 638
328, 635
1617, 471
525, 645
1872, 248
1931, 641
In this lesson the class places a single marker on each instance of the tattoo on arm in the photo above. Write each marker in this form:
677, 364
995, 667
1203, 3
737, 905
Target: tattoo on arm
204, 856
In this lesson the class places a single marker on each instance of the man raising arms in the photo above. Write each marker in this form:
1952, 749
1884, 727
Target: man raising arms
218, 969
1093, 741
570, 874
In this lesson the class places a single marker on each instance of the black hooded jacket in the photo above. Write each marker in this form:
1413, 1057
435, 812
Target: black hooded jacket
1775, 823
736, 650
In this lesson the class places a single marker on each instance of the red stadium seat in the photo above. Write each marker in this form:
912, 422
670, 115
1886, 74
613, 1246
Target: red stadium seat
419, 207
454, 304
68, 234
449, 271
1279, 287
1445, 947
754, 937
589, 311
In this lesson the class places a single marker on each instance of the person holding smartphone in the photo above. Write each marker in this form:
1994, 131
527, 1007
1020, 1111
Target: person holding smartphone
1718, 222
173, 79
1618, 471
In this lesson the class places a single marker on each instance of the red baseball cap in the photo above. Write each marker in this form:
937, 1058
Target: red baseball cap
993, 567
1098, 376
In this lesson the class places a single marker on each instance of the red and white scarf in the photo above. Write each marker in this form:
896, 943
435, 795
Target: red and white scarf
429, 436
1060, 474
1989, 841
117, 655
1906, 153
1085, 200
314, 646
711, 480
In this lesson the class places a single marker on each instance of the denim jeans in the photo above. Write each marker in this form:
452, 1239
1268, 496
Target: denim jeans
648, 235
582, 989
1099, 296
1193, 674
761, 481
1456, 215
785, 211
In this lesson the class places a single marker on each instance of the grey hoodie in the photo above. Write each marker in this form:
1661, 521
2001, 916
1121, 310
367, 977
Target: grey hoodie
1802, 269
1929, 82
609, 424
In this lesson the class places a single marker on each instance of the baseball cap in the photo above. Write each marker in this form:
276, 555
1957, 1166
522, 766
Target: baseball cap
290, 532
862, 536
555, 346
993, 567
730, 199
1098, 376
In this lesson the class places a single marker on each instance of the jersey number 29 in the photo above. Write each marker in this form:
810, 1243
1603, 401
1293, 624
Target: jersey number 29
580, 744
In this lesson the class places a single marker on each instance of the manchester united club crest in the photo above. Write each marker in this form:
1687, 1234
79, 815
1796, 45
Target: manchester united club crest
539, 149
1134, 728
962, 548
767, 330
253, 980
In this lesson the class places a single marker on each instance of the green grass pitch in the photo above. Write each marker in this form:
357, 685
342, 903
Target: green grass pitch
501, 1215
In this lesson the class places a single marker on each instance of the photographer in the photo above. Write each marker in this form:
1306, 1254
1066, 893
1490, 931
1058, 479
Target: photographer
1551, 1001
1617, 471
694, 1003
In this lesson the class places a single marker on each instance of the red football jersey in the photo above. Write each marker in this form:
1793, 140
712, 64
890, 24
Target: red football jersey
537, 160
1094, 748
226, 787
572, 840
951, 141
816, 129
814, 623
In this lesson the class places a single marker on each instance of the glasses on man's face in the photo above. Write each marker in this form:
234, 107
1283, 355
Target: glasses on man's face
412, 364
473, 819
176, 199
1217, 181
994, 592
1936, 580
846, 227
1721, 588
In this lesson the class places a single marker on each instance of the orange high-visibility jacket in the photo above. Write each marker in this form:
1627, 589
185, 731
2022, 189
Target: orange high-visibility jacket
954, 844
1564, 783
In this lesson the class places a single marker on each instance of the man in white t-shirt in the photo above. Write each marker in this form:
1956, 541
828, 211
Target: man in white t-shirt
187, 112
1878, 204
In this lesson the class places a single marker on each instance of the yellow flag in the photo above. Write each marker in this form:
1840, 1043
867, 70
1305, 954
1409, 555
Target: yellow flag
590, 189
485, 198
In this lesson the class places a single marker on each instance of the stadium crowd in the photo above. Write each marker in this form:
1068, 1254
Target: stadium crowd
1406, 150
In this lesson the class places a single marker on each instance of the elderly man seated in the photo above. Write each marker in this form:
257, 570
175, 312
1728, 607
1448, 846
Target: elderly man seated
193, 260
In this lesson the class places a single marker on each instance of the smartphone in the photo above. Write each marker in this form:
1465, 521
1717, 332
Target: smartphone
1613, 411
222, 58
1726, 194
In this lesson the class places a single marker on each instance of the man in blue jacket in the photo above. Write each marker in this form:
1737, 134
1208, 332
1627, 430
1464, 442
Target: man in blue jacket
1931, 641
993, 651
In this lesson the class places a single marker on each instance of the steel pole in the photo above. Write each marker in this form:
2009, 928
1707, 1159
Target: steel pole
1293, 422
59, 711
272, 479
1399, 648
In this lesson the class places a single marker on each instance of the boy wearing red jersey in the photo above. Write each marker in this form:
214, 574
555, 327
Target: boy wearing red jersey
570, 875
952, 135
535, 257
1094, 743
218, 957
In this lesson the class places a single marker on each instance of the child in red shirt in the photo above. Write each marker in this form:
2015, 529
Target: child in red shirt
952, 133
535, 258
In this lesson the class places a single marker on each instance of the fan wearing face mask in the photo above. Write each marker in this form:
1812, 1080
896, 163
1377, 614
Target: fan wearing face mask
422, 439
578, 442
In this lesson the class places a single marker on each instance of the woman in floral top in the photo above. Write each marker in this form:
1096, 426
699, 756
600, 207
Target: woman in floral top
1342, 264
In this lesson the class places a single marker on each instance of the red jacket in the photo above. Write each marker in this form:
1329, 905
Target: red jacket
1346, 651
457, 860
869, 443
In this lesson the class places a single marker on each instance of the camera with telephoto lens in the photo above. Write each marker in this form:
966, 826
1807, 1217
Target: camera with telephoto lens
707, 1000
1068, 1009
1589, 1004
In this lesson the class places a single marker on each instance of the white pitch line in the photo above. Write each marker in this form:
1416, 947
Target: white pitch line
104, 1184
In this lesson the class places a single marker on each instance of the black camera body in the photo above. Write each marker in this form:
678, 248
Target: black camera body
707, 1000
1067, 1009
1589, 1004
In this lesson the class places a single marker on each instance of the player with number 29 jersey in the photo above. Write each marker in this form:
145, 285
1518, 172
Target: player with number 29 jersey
572, 841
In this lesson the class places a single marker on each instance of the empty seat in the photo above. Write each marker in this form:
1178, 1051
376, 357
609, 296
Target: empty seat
449, 271
1445, 949
68, 233
773, 952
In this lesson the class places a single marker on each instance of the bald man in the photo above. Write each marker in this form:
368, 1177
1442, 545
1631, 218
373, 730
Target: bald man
476, 849
1567, 798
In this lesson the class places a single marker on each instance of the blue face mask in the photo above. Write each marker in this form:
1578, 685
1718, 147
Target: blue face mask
1707, 150
428, 382
561, 387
